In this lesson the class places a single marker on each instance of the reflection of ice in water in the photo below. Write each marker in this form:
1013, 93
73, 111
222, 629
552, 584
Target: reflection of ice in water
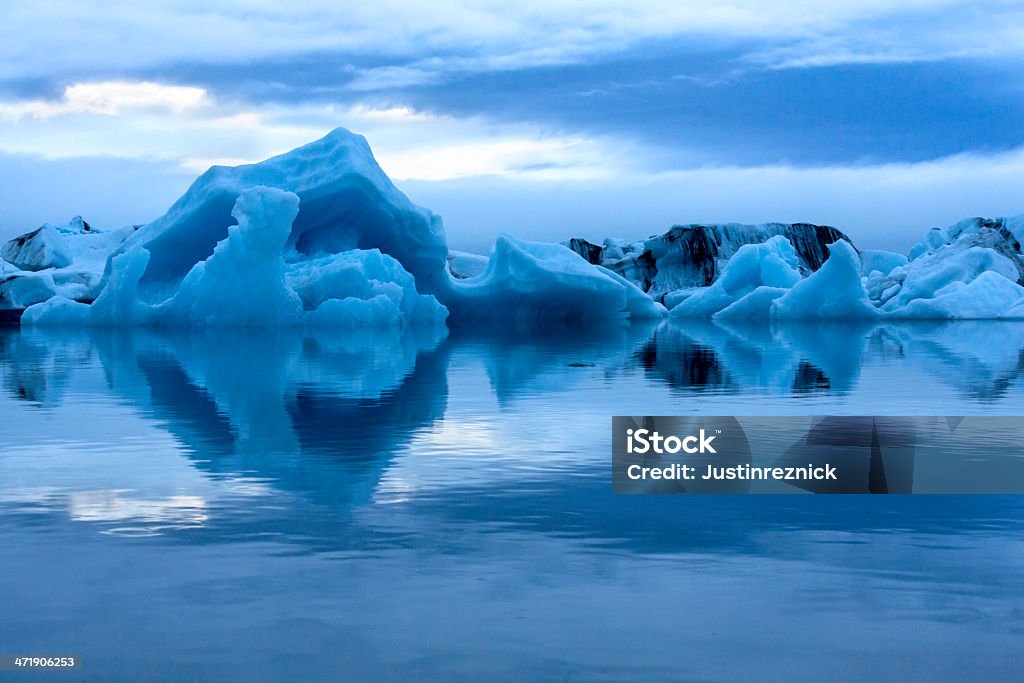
262, 460
387, 413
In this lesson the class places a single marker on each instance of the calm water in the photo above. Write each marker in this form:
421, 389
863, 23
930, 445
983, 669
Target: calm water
277, 505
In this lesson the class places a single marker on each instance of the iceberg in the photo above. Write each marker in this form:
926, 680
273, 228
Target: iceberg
345, 202
834, 292
689, 256
64, 260
38, 250
529, 282
938, 282
21, 289
320, 236
989, 295
247, 282
772, 265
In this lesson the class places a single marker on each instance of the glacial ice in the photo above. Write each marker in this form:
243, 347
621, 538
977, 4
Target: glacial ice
772, 264
884, 262
65, 260
38, 250
345, 202
22, 289
526, 282
689, 256
320, 236
833, 292
972, 270
989, 295
246, 282
463, 264
757, 305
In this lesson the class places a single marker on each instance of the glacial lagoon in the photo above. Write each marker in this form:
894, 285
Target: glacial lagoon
280, 504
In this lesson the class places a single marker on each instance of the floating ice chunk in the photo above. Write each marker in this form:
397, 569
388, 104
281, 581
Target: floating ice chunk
989, 295
58, 311
772, 264
689, 256
873, 260
21, 289
834, 292
38, 250
927, 275
346, 202
73, 256
1009, 230
530, 282
756, 305
245, 282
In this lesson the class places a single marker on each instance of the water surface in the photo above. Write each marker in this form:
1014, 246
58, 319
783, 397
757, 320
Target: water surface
279, 504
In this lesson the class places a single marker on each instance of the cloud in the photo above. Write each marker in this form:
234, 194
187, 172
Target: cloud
186, 126
420, 42
886, 206
637, 113
109, 98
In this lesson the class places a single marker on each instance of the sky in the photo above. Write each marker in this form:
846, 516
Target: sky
544, 119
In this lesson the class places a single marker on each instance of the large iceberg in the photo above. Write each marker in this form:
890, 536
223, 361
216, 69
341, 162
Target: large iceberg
247, 282
320, 236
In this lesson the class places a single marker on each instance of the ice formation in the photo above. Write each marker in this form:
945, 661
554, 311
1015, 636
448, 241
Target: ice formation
247, 282
876, 260
65, 260
972, 270
532, 281
320, 236
38, 250
463, 264
834, 292
773, 265
689, 256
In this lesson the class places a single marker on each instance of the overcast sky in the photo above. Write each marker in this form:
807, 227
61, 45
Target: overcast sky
546, 119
